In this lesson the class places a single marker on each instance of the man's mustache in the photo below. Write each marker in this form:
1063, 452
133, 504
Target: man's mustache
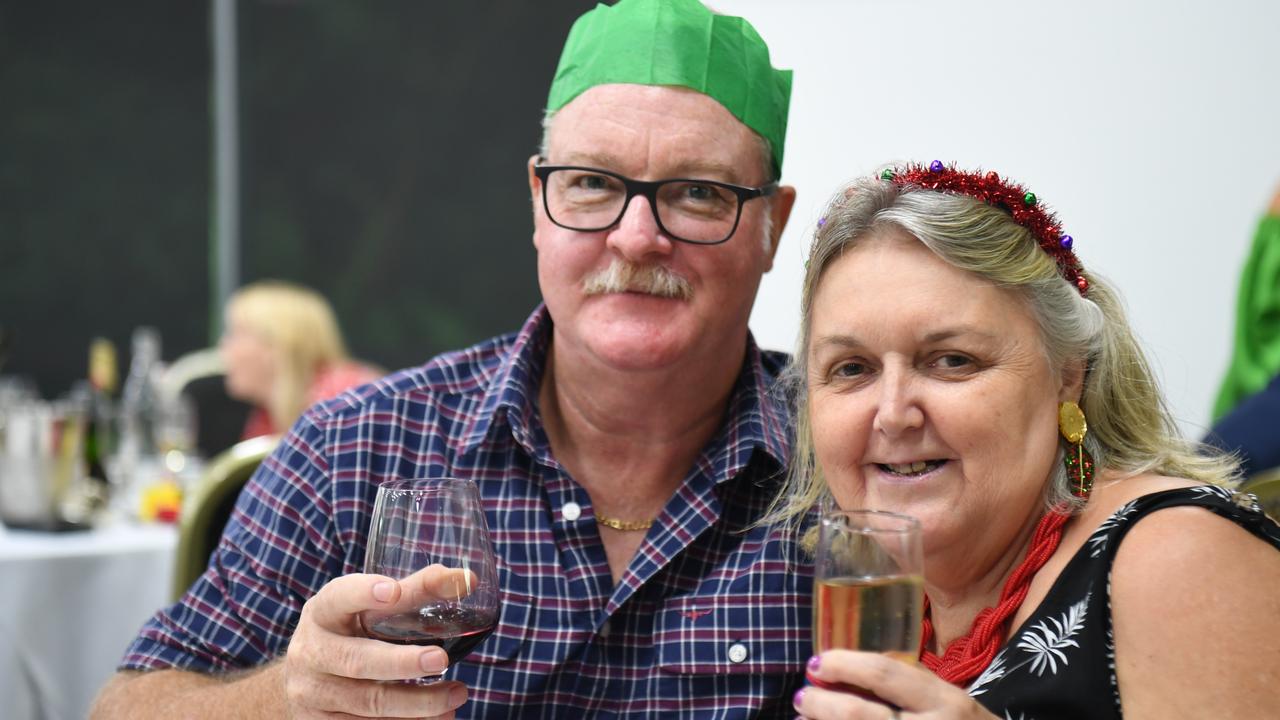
624, 276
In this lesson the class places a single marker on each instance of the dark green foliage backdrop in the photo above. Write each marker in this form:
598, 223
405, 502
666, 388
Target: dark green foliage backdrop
383, 149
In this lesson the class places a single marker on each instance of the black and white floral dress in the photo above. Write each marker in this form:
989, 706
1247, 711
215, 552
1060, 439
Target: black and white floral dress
1060, 664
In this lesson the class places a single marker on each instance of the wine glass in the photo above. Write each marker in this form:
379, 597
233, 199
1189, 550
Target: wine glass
433, 529
868, 585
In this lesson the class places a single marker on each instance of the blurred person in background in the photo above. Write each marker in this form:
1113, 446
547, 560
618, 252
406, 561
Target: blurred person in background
1081, 559
625, 442
283, 352
1247, 412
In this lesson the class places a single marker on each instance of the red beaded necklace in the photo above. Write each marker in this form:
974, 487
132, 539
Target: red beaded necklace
968, 655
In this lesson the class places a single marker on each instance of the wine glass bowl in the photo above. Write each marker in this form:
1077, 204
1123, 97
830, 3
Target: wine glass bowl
431, 536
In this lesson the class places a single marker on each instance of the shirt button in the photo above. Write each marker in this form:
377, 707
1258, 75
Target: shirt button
571, 511
737, 653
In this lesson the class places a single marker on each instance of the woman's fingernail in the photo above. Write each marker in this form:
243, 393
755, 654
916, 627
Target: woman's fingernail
798, 697
382, 591
433, 661
458, 695
813, 663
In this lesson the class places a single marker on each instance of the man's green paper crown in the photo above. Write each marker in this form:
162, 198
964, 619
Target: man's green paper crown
677, 42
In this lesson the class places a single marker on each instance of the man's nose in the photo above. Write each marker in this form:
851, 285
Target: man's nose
637, 236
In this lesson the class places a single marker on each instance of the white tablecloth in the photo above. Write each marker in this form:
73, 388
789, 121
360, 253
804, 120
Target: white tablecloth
70, 603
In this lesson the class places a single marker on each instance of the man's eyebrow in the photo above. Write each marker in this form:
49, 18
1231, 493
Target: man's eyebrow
604, 161
689, 168
704, 168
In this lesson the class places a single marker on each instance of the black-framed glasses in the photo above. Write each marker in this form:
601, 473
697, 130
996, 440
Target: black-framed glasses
586, 199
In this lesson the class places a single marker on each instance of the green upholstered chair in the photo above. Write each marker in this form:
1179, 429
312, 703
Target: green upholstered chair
208, 506
1266, 485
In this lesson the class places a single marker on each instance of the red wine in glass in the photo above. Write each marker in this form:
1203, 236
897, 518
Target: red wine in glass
431, 536
456, 630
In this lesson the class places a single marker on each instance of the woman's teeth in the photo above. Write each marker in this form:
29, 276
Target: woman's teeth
914, 468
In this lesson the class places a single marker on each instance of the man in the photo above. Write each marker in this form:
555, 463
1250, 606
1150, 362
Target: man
624, 441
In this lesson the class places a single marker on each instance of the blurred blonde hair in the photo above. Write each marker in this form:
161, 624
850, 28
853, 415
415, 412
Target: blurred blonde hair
300, 326
1131, 429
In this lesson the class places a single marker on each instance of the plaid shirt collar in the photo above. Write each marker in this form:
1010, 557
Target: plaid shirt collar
757, 410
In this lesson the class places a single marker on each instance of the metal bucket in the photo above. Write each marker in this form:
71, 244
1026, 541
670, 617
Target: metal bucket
42, 484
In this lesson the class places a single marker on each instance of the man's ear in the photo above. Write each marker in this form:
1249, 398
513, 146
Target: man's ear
535, 186
780, 207
535, 194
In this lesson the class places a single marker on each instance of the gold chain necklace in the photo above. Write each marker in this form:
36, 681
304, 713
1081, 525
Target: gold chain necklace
623, 525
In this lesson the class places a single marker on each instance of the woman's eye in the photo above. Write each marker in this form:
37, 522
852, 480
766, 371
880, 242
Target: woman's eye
850, 369
952, 361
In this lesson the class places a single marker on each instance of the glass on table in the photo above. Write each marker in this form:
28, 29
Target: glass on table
868, 585
432, 532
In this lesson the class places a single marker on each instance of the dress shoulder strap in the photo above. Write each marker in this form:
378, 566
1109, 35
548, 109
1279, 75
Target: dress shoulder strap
1239, 507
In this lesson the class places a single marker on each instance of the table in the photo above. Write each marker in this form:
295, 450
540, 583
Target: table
69, 605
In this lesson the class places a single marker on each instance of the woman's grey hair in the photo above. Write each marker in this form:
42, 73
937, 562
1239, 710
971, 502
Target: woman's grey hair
766, 164
1130, 427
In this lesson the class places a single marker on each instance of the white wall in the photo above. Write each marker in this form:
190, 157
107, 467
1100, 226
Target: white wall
1151, 128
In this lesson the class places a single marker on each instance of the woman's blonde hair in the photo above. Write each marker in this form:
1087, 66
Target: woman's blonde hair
1130, 427
300, 326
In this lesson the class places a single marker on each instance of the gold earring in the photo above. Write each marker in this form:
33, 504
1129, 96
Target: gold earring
1079, 463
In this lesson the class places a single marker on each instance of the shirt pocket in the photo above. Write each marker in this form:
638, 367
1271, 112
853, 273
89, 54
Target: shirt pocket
514, 621
731, 635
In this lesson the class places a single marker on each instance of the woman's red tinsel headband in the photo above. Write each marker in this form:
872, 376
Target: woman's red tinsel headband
991, 189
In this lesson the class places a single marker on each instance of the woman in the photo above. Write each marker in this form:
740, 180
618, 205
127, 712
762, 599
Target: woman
953, 353
283, 352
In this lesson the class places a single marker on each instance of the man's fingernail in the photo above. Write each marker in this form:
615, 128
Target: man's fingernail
382, 591
433, 661
458, 695
798, 697
814, 662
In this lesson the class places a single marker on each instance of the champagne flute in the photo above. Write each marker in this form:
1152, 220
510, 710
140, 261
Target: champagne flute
868, 585
435, 527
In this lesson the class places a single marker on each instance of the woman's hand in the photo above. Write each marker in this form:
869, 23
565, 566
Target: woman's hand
918, 693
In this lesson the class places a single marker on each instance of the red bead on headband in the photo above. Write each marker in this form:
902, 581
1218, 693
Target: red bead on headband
1011, 197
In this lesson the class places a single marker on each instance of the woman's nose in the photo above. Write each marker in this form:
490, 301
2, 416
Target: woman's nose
899, 410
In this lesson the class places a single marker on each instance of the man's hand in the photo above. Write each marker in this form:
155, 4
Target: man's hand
331, 667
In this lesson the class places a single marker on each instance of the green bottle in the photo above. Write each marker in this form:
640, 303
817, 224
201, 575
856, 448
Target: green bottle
98, 433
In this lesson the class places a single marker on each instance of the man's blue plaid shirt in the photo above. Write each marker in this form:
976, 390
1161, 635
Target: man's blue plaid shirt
711, 619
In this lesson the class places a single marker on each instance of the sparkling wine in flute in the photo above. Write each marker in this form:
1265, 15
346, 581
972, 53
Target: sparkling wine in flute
879, 614
868, 586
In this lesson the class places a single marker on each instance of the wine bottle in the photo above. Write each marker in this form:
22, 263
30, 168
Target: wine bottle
139, 401
98, 434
